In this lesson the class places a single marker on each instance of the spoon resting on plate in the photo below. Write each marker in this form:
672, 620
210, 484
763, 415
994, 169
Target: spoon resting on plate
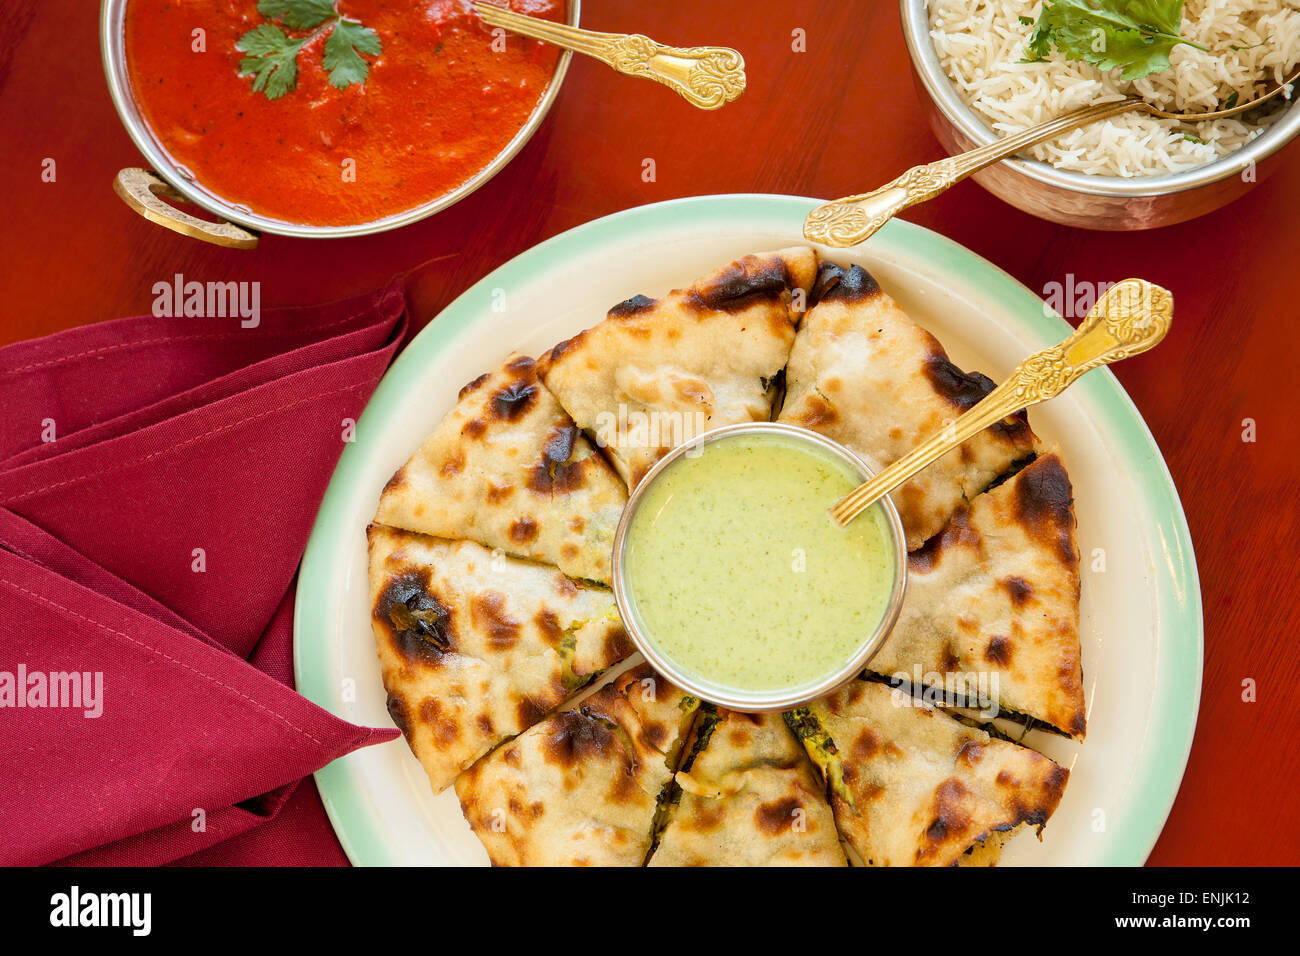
1132, 317
704, 76
855, 219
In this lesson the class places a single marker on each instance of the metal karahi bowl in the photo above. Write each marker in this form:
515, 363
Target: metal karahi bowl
1081, 199
183, 185
781, 698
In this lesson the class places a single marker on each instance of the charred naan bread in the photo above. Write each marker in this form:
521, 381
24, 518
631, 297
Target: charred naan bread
911, 786
747, 796
657, 372
864, 374
509, 469
583, 787
476, 646
992, 602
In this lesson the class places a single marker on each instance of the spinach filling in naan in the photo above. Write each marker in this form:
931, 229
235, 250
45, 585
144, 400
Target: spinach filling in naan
863, 373
912, 786
657, 372
476, 646
508, 468
746, 795
586, 786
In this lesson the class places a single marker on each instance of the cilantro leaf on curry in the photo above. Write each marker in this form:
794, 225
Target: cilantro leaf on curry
343, 50
298, 14
272, 54
1136, 36
272, 60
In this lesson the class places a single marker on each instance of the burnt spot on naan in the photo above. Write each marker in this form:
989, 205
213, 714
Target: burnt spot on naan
815, 412
558, 351
445, 729
1044, 500
999, 651
865, 745
617, 644
523, 530
776, 817
1048, 796
949, 818
1018, 589
555, 472
970, 752
423, 627
742, 284
633, 306
397, 481
548, 623
963, 390
957, 533
512, 400
474, 429
574, 737
656, 734
487, 610
706, 817
398, 712
498, 493
453, 465
529, 711
834, 283
738, 737
473, 386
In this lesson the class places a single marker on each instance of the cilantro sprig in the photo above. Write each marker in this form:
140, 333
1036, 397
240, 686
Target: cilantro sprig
1136, 36
272, 54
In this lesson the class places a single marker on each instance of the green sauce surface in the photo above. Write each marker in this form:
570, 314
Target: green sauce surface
738, 574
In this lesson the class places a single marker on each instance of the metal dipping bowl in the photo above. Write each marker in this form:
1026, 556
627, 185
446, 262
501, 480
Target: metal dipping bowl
730, 697
1080, 199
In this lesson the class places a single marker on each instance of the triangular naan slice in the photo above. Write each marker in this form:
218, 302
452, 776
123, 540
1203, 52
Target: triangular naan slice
748, 796
864, 374
657, 372
584, 787
508, 468
991, 610
476, 646
912, 786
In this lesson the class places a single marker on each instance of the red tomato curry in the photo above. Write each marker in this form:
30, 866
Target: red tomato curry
438, 104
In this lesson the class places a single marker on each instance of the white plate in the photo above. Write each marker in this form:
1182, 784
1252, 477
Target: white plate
1141, 609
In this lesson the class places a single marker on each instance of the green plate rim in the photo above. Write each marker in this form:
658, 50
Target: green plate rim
1174, 709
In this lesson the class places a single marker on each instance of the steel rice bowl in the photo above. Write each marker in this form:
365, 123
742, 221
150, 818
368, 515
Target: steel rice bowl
1081, 199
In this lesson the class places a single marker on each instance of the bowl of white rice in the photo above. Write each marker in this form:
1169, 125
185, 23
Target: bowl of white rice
1133, 171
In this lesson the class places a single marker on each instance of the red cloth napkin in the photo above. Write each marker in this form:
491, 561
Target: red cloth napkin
158, 480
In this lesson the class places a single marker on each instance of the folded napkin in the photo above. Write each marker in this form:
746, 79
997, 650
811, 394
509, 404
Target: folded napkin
158, 481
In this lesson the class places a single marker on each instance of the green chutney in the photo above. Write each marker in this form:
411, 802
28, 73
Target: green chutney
739, 575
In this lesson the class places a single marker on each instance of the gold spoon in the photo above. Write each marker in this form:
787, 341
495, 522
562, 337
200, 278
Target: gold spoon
704, 76
1130, 318
854, 219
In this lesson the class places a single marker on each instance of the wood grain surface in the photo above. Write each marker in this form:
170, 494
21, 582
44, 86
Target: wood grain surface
838, 118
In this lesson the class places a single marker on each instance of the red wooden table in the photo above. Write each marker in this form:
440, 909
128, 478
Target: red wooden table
835, 119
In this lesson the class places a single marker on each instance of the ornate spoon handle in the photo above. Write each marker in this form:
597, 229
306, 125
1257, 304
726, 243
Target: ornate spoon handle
704, 76
854, 219
1130, 318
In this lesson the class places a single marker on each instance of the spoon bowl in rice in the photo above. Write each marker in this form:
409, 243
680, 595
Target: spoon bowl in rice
1132, 171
